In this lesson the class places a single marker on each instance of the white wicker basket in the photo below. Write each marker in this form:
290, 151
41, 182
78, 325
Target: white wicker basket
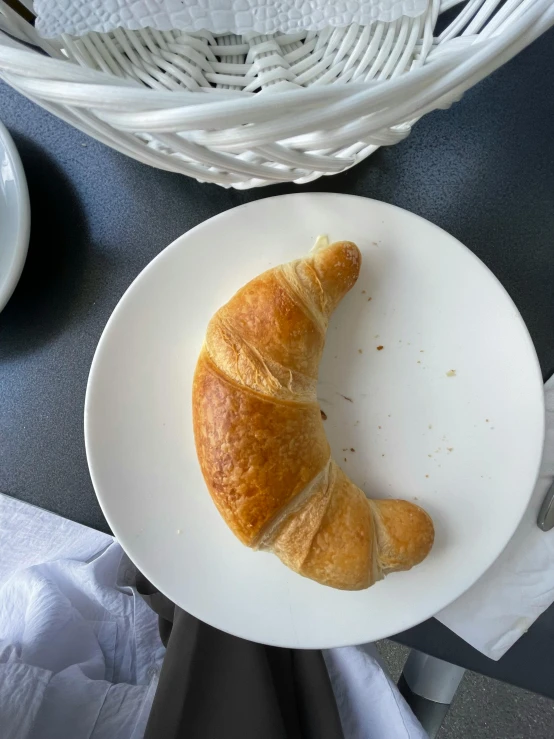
252, 110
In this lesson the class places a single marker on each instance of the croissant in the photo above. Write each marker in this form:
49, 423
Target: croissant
260, 438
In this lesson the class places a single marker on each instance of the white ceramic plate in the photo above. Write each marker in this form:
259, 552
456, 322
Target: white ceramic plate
15, 216
466, 447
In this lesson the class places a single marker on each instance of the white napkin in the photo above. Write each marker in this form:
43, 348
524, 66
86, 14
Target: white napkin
495, 612
77, 17
79, 648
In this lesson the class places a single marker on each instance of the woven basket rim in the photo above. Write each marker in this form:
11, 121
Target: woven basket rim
274, 112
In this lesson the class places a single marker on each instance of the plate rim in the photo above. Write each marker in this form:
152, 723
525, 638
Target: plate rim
21, 245
517, 317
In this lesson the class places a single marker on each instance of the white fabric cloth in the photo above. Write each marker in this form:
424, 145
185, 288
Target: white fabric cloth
495, 612
79, 649
55, 17
370, 705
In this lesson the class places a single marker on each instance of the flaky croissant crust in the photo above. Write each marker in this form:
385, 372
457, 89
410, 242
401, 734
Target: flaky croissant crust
260, 438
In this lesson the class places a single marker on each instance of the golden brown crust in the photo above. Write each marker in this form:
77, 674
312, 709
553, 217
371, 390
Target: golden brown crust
405, 533
260, 438
266, 315
342, 550
265, 339
256, 453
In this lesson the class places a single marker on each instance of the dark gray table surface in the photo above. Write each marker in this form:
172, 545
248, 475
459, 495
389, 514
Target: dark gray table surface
483, 170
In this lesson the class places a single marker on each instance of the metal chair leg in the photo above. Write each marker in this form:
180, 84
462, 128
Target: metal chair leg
429, 685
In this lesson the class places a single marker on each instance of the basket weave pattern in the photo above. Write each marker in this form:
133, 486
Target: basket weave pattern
254, 110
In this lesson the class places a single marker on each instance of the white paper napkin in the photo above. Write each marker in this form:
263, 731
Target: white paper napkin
495, 612
77, 17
